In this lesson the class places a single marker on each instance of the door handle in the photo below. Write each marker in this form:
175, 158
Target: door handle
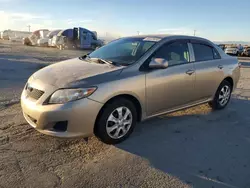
190, 72
220, 66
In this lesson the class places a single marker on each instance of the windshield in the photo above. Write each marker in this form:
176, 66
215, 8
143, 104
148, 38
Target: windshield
124, 51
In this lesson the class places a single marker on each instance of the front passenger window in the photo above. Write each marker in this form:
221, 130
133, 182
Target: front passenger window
175, 53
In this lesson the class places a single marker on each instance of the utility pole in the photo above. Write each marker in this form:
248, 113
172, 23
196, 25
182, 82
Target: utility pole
138, 32
194, 32
29, 27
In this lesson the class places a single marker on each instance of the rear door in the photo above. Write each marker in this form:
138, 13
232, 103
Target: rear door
209, 69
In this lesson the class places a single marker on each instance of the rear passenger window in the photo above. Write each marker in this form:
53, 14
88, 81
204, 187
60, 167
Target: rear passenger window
203, 52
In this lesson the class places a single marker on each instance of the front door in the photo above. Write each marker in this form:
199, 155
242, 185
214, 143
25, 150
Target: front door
172, 87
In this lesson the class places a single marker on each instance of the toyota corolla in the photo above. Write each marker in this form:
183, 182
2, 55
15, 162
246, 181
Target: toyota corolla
110, 90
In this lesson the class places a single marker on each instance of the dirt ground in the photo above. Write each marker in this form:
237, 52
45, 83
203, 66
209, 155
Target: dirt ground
190, 148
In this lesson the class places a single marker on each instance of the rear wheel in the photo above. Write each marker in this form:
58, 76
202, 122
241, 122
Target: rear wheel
222, 96
116, 121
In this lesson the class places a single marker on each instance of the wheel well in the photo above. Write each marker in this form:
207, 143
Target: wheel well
126, 96
230, 80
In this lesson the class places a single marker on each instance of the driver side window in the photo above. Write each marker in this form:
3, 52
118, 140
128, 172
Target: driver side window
175, 53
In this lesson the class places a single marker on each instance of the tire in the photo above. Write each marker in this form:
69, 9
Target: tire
104, 121
217, 103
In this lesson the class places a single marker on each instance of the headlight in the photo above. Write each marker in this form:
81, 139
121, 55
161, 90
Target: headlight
66, 95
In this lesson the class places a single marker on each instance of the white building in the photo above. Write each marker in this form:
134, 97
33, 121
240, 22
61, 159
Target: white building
12, 34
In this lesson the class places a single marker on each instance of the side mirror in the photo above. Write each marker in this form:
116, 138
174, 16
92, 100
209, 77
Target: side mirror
158, 63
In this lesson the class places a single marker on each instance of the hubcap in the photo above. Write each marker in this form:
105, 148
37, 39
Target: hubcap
119, 122
224, 95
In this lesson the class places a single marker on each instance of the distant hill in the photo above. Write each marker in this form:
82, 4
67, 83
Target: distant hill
107, 39
232, 42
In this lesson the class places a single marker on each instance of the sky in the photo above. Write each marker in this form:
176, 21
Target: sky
217, 20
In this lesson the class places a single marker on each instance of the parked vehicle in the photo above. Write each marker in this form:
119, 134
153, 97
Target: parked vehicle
86, 39
45, 41
35, 36
5, 35
232, 50
110, 90
222, 46
78, 38
61, 38
246, 52
241, 49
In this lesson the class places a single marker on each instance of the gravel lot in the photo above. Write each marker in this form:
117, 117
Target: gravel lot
190, 148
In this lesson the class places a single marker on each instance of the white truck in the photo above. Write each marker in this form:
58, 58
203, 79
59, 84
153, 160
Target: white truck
45, 40
35, 36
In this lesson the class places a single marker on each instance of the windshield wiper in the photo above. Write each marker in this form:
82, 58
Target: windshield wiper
103, 61
97, 59
84, 56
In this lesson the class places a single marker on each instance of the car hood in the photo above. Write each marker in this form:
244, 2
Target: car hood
72, 71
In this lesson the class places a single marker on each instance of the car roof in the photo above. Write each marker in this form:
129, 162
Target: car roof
161, 36
169, 36
166, 36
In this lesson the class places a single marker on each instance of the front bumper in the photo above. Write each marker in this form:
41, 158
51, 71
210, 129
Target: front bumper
80, 116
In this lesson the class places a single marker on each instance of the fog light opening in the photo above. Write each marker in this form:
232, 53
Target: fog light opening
61, 126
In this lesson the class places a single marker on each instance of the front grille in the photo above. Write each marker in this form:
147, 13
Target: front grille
33, 93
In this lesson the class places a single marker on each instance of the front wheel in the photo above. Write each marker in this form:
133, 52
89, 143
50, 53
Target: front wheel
116, 121
222, 96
